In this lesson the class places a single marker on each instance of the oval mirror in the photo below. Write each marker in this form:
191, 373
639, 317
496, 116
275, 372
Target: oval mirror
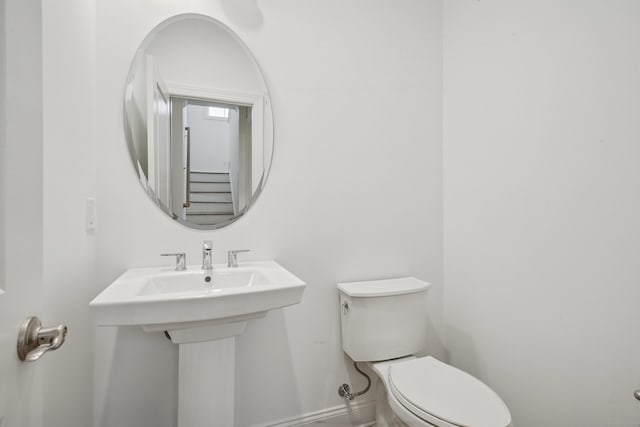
198, 121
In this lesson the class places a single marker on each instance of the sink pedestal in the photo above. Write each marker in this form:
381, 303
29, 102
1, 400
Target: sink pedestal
206, 370
206, 391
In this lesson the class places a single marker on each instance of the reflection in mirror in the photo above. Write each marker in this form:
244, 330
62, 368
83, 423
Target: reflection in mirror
216, 147
198, 122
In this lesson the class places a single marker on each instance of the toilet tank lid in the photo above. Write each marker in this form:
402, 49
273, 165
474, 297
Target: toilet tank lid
383, 288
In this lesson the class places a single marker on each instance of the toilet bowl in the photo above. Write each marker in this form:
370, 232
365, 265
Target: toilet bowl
425, 392
383, 323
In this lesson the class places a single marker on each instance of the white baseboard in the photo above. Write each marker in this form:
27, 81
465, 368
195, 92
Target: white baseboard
355, 414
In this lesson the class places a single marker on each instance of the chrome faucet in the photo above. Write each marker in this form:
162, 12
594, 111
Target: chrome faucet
207, 255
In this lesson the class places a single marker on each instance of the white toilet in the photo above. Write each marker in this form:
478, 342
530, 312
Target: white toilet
384, 323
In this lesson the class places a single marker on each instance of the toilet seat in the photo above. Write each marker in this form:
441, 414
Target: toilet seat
445, 396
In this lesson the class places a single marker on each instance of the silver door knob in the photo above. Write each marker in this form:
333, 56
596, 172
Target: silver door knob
34, 340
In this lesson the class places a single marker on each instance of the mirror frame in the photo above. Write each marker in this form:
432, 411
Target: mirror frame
191, 92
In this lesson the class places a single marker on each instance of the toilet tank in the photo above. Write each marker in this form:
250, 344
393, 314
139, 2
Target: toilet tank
383, 319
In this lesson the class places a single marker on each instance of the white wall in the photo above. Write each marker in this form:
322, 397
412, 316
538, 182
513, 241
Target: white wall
196, 53
68, 176
328, 213
210, 141
542, 209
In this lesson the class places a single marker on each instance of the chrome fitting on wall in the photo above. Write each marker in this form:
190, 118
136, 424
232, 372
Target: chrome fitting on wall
345, 390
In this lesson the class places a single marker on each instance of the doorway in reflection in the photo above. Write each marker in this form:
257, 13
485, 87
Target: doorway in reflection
210, 154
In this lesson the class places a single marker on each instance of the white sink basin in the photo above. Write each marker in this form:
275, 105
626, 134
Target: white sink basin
191, 308
194, 281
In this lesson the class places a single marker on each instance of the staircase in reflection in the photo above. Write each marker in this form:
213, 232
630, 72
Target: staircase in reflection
210, 198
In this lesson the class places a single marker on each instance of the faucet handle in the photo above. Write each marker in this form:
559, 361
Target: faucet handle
232, 257
181, 260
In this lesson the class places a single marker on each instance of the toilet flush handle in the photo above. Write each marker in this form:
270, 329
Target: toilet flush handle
345, 307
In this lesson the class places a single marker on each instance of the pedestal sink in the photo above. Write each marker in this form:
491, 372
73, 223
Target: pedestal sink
202, 313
